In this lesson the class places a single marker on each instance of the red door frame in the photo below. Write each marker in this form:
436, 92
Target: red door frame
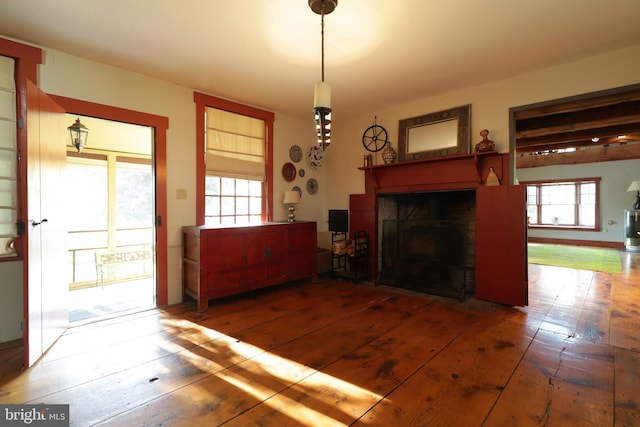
160, 124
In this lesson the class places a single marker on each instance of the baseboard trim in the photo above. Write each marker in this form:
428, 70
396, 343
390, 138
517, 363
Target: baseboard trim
592, 243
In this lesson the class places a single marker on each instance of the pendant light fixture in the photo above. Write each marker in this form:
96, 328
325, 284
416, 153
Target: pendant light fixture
79, 134
322, 91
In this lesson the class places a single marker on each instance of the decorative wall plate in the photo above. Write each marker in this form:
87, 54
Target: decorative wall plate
298, 189
295, 153
315, 157
312, 186
301, 173
289, 171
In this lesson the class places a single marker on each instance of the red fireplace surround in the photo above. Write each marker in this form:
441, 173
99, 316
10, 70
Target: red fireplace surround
500, 246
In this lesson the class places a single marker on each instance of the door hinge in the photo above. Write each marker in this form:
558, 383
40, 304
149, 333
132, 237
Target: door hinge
21, 123
158, 221
22, 325
20, 228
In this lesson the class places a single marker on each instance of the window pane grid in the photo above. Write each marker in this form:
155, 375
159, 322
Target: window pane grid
231, 201
562, 204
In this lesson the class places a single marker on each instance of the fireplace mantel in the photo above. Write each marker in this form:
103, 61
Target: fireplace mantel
501, 263
442, 173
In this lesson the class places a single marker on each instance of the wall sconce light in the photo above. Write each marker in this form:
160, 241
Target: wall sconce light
79, 134
635, 186
322, 90
291, 198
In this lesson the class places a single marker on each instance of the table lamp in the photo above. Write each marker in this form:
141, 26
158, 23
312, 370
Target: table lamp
291, 198
635, 186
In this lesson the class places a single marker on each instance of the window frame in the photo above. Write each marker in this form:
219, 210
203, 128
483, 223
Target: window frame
576, 181
203, 101
27, 58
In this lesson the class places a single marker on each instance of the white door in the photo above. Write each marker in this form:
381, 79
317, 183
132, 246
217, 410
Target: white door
45, 275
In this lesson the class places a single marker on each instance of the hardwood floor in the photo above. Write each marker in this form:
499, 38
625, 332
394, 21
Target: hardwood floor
335, 353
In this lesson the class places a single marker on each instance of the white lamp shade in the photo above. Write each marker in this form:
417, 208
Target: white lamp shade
322, 95
635, 186
291, 197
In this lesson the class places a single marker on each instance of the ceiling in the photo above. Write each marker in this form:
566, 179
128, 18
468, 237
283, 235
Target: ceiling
606, 119
377, 52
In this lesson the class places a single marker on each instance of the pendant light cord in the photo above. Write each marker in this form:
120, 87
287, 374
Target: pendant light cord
322, 36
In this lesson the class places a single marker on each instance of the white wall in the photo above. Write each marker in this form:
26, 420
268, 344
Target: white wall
10, 301
74, 77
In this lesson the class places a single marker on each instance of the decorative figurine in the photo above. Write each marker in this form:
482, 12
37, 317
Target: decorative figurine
389, 155
486, 144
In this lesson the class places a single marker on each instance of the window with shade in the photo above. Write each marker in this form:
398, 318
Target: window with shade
8, 158
570, 204
235, 168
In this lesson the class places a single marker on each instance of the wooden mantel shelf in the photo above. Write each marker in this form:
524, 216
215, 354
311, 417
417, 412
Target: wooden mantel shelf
438, 173
474, 156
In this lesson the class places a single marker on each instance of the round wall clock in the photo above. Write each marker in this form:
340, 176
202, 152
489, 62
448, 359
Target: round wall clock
312, 186
289, 171
315, 157
295, 153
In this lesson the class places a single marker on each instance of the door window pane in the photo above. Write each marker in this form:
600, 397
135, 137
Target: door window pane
86, 201
134, 196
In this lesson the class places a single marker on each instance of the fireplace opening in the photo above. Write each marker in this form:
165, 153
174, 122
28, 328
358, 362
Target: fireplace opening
428, 242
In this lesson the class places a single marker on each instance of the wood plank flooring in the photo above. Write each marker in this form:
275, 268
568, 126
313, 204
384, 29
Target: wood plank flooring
334, 353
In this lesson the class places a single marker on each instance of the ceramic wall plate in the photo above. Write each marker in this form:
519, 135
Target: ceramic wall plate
312, 186
298, 189
295, 153
301, 173
289, 171
315, 157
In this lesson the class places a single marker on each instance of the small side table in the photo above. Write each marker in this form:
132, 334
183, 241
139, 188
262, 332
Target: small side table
632, 230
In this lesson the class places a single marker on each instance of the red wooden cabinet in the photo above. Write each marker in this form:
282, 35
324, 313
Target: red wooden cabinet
219, 262
300, 254
224, 264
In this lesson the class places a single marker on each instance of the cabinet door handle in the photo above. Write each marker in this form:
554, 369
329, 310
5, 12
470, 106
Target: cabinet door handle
267, 252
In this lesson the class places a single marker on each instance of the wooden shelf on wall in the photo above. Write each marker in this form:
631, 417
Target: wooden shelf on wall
449, 172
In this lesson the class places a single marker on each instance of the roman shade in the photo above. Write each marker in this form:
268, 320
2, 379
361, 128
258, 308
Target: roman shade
234, 145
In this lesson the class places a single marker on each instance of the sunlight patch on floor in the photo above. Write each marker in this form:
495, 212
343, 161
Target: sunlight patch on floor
265, 376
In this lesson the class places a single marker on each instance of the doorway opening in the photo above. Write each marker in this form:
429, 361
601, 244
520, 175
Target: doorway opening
111, 226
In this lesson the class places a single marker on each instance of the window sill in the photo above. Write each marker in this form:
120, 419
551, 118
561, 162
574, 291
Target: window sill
562, 227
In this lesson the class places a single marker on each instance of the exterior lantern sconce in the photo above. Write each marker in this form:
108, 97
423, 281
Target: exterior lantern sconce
79, 134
